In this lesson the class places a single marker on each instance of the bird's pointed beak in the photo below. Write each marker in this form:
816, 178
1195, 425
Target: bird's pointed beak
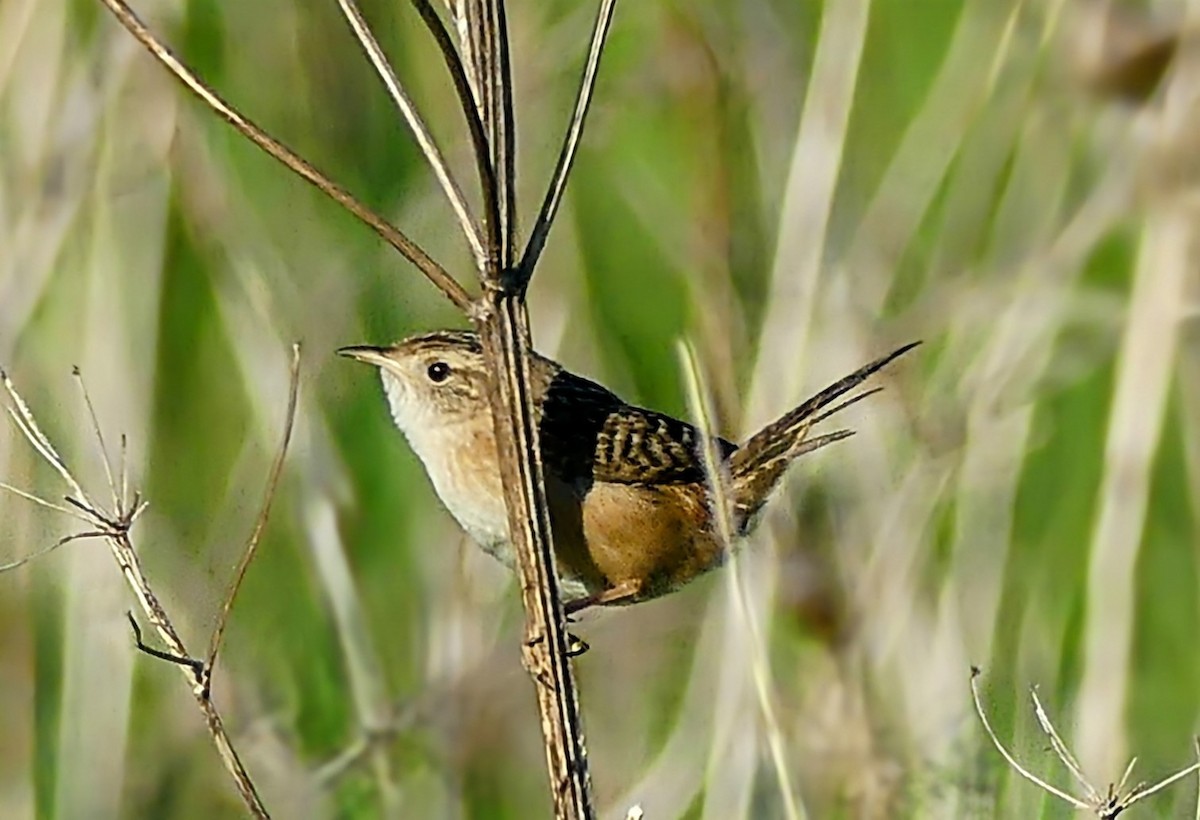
368, 354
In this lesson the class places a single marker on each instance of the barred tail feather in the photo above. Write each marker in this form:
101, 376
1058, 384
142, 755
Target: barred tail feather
751, 490
757, 465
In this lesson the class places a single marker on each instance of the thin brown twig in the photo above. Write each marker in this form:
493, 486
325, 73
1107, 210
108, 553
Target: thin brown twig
1143, 793
41, 502
1064, 754
123, 519
370, 46
124, 470
103, 448
260, 523
411, 251
195, 663
504, 132
1126, 775
570, 146
28, 426
66, 539
479, 141
471, 27
473, 30
485, 68
457, 11
127, 558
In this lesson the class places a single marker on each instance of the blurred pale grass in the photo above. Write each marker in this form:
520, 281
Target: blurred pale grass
992, 509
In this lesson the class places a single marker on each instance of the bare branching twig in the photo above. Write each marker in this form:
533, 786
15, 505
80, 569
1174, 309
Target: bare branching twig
1064, 754
195, 664
118, 501
41, 502
1107, 805
114, 527
66, 539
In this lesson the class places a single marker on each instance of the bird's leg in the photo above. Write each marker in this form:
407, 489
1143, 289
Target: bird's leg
624, 592
576, 646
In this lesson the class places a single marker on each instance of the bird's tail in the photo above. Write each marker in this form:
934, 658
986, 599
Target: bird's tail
756, 467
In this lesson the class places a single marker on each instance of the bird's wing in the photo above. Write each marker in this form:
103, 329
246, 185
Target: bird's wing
586, 424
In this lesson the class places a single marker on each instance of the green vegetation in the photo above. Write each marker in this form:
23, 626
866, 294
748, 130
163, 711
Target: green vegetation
1022, 496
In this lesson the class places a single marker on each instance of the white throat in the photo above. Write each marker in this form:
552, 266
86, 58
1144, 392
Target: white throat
451, 453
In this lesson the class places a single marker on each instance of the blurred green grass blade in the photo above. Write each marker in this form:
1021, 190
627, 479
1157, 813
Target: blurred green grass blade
815, 165
1144, 370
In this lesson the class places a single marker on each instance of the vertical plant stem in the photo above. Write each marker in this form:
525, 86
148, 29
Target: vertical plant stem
503, 323
505, 334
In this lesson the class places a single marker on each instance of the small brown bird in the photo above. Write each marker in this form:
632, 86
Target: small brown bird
629, 498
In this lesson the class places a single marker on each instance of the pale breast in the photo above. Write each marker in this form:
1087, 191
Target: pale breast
455, 458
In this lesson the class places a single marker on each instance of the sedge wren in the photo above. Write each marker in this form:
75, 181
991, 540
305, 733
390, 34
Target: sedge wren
627, 488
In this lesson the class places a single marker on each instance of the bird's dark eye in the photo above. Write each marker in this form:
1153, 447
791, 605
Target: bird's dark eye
439, 372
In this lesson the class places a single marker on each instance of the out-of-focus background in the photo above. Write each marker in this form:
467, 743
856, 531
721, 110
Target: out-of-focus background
795, 187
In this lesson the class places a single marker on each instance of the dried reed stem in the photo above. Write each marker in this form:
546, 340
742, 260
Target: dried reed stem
503, 323
483, 82
457, 69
